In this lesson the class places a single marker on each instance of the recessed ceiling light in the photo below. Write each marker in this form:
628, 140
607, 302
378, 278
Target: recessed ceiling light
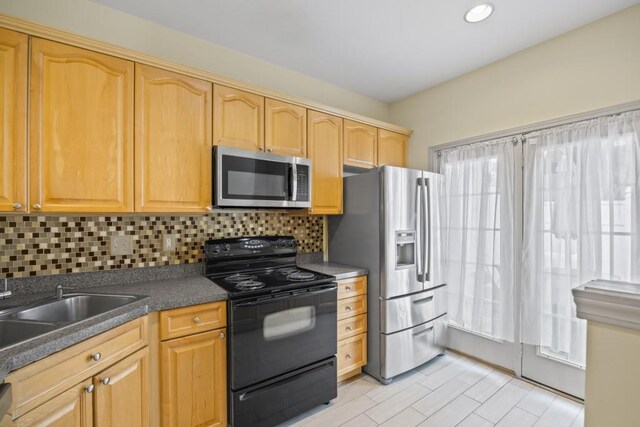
479, 13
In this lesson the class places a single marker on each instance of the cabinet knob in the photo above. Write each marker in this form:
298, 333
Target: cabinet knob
89, 388
269, 149
348, 356
96, 356
16, 205
221, 335
261, 148
105, 380
348, 328
196, 320
37, 206
209, 208
348, 308
348, 288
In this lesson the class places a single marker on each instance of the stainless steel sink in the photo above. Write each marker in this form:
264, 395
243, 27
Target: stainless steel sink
73, 307
15, 331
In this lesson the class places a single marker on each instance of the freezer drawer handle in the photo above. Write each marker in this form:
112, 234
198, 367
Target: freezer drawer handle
415, 334
424, 300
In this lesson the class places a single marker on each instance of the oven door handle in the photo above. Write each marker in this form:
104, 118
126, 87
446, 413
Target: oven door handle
275, 297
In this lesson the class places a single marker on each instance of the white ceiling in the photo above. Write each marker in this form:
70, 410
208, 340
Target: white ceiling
385, 49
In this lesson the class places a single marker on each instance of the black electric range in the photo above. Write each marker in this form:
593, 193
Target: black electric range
282, 329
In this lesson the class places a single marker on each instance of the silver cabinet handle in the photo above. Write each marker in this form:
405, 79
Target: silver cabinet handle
105, 380
221, 335
37, 206
196, 320
96, 356
16, 205
89, 388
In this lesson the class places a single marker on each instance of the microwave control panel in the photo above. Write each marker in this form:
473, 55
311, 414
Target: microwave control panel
302, 193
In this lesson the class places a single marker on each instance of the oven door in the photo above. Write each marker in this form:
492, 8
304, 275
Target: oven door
248, 178
273, 335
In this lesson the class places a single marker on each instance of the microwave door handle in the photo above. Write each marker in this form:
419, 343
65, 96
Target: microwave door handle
294, 185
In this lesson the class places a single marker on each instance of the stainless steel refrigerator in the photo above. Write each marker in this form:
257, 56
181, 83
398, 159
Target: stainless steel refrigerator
391, 225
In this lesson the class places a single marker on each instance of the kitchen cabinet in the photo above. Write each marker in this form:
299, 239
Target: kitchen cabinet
392, 148
173, 116
360, 144
352, 326
194, 367
13, 123
81, 130
100, 381
238, 118
285, 128
325, 151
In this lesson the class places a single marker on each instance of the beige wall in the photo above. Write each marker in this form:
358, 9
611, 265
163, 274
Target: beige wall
98, 22
594, 66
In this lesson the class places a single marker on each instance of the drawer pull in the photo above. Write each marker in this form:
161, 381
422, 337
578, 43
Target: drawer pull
89, 388
348, 356
415, 334
196, 320
37, 206
348, 328
348, 288
348, 308
96, 356
16, 205
221, 335
105, 380
424, 300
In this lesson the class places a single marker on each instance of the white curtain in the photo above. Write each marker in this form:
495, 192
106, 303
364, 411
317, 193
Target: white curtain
478, 234
581, 222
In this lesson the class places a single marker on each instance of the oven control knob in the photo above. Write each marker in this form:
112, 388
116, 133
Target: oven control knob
226, 247
216, 249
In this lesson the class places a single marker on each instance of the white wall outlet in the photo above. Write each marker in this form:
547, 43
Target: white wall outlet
169, 242
121, 245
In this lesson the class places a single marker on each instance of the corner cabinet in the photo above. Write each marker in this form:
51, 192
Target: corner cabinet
194, 366
360, 144
81, 130
325, 151
238, 118
173, 118
392, 148
13, 123
285, 128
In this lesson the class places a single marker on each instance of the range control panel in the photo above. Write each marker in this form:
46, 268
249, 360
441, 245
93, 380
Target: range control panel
256, 246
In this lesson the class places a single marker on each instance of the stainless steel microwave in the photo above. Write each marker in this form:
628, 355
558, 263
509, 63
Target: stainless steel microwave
244, 178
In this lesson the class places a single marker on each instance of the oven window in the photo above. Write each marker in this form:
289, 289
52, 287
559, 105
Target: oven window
287, 323
252, 179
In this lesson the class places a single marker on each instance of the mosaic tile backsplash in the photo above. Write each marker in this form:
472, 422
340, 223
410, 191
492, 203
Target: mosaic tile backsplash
41, 245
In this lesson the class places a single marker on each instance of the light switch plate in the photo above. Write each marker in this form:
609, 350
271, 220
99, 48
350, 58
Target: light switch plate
121, 245
169, 242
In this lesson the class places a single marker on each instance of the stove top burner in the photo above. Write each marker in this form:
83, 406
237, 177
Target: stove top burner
237, 278
301, 276
288, 270
249, 285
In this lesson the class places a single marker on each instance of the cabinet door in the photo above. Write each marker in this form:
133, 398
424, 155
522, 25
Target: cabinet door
285, 128
392, 148
172, 142
81, 124
13, 121
325, 152
122, 392
194, 380
360, 144
73, 408
238, 118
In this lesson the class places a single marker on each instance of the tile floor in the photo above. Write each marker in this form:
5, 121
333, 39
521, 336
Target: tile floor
449, 391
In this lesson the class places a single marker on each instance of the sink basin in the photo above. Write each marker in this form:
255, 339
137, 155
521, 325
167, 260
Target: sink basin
15, 331
73, 307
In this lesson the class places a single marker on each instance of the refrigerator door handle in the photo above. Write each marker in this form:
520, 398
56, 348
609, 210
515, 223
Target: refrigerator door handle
419, 225
426, 200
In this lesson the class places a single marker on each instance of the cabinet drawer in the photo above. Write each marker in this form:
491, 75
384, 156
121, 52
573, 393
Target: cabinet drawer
42, 380
184, 321
352, 353
355, 286
350, 307
352, 326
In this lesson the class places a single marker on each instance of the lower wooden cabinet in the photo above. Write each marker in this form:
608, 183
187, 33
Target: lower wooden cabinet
352, 326
73, 408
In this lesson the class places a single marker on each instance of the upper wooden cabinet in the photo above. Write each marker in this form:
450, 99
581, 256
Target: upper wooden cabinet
238, 118
360, 144
325, 152
13, 121
172, 142
392, 148
285, 128
81, 124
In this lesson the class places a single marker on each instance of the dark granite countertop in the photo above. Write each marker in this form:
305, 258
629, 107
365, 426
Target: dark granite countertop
339, 271
159, 294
